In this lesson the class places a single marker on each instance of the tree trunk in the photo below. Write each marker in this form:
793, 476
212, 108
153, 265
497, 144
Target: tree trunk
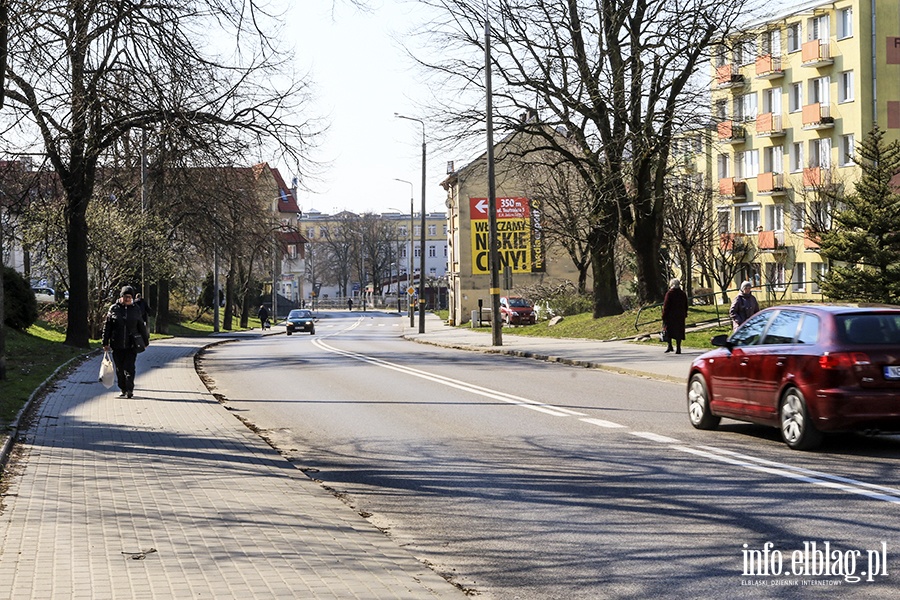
228, 317
162, 306
77, 331
606, 293
646, 239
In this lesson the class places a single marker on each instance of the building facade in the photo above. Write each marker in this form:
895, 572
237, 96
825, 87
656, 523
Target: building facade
525, 256
792, 96
404, 249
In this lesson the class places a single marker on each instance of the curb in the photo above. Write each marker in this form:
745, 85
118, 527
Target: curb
13, 428
550, 358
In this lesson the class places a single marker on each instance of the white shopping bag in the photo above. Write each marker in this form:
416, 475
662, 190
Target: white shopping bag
107, 371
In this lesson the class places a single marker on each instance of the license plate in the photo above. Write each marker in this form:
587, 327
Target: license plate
892, 372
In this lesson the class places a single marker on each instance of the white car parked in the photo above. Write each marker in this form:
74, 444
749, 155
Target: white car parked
44, 295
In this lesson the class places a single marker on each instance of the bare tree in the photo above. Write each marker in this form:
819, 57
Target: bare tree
566, 211
688, 223
83, 75
616, 77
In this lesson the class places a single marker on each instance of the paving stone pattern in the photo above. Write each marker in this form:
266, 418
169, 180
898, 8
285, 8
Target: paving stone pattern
168, 495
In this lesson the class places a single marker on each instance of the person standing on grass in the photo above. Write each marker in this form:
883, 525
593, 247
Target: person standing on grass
674, 315
123, 330
744, 305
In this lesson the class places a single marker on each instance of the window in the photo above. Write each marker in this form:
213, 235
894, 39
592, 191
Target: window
403, 252
432, 271
721, 56
750, 331
796, 157
773, 159
745, 51
845, 23
749, 219
809, 330
783, 328
775, 217
746, 110
775, 275
818, 90
724, 219
403, 231
750, 163
795, 97
432, 251
418, 252
432, 230
798, 216
771, 43
820, 153
445, 229
800, 277
724, 166
771, 102
721, 111
417, 231
817, 28
845, 87
794, 37
846, 151
323, 231
310, 232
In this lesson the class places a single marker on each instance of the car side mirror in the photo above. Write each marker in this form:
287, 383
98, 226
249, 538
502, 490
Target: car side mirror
721, 340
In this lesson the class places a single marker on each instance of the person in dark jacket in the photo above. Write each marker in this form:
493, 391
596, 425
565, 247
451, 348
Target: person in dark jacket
674, 314
141, 303
263, 314
124, 321
744, 305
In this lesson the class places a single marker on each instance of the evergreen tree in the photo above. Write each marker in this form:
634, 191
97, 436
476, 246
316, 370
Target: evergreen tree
864, 242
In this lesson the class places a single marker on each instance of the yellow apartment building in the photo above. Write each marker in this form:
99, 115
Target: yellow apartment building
791, 98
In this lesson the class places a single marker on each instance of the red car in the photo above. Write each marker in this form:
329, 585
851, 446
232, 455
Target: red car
806, 369
516, 311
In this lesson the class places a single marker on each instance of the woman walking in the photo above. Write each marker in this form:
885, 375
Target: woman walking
674, 314
125, 332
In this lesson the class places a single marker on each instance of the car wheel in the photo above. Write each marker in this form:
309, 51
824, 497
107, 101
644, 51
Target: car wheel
312, 332
289, 332
698, 404
797, 428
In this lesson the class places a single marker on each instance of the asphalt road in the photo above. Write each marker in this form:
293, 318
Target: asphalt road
520, 479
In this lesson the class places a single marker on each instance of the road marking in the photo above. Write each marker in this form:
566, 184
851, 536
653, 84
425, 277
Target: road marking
602, 423
454, 383
654, 437
853, 486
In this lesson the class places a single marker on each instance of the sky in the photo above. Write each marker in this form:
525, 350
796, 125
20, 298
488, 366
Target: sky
362, 77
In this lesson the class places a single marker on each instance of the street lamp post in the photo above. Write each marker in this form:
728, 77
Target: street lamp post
409, 255
422, 237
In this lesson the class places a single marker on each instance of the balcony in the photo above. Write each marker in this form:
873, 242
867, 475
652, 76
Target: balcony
769, 67
770, 184
732, 188
731, 133
771, 241
817, 116
728, 77
816, 53
811, 241
816, 178
735, 242
769, 125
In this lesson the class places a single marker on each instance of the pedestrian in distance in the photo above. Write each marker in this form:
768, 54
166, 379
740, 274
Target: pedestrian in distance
350, 304
744, 305
126, 334
263, 314
674, 315
141, 303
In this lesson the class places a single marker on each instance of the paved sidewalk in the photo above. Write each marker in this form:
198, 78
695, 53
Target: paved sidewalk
167, 495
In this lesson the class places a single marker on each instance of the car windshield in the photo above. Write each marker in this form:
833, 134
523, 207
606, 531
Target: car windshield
870, 329
518, 302
299, 314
